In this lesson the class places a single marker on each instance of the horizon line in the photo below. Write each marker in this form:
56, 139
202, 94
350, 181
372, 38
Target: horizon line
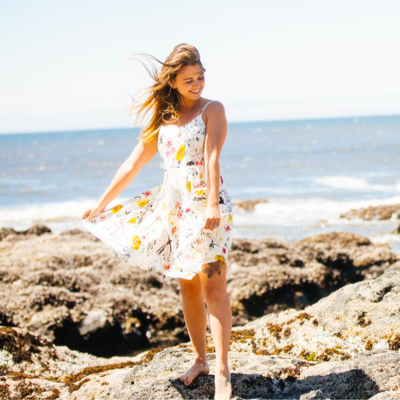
229, 123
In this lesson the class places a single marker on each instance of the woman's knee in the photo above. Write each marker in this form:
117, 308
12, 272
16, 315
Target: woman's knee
190, 287
214, 281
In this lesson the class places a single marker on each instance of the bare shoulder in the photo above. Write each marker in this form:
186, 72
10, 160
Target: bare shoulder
214, 111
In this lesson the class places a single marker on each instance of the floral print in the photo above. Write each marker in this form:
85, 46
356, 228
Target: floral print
162, 229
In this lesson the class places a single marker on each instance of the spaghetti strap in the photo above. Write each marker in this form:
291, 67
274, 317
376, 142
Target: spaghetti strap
206, 106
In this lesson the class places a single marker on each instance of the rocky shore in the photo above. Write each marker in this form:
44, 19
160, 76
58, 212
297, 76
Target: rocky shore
316, 319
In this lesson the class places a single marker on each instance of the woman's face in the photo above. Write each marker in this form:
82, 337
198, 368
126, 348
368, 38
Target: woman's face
190, 82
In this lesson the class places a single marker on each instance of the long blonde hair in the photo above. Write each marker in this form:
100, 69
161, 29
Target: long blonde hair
162, 100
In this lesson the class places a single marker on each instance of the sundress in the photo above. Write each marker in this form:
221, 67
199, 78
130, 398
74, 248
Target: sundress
162, 229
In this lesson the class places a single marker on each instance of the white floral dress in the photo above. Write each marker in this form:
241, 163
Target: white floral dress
162, 229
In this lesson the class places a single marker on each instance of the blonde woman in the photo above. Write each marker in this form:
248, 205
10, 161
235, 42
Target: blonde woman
181, 228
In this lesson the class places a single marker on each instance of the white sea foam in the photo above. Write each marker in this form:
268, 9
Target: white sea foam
351, 183
285, 219
57, 216
312, 212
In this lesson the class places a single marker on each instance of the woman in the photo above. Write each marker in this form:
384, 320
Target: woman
182, 228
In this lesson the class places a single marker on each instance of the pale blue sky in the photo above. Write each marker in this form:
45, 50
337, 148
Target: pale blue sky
65, 64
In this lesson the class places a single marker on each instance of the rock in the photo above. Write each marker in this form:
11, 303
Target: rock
33, 230
77, 293
37, 230
74, 290
396, 230
4, 232
30, 365
346, 250
280, 356
322, 352
374, 213
388, 395
267, 275
355, 319
249, 205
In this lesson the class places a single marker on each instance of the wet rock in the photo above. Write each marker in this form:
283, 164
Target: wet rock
33, 230
345, 250
249, 205
374, 213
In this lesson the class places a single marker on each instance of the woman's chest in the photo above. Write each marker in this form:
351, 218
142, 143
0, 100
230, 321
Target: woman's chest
188, 139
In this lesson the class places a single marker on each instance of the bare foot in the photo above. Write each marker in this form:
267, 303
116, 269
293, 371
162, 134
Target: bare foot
198, 368
223, 386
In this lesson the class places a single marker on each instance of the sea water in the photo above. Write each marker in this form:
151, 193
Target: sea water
309, 171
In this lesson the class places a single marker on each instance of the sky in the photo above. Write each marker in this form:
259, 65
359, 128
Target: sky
66, 65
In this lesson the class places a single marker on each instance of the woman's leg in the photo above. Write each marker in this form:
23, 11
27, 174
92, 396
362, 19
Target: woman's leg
194, 312
213, 281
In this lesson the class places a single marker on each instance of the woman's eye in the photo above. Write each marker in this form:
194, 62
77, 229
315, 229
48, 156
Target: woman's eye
201, 78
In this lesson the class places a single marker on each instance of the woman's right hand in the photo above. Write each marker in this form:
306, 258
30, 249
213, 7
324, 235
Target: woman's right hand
93, 212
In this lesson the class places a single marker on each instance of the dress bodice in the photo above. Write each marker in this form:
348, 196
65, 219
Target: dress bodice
184, 145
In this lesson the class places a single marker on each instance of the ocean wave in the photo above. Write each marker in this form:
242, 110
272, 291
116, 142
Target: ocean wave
57, 216
351, 183
307, 211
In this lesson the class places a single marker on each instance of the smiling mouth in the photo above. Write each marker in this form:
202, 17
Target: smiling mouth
195, 92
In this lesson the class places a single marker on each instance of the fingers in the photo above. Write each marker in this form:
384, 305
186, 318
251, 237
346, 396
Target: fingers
212, 223
88, 214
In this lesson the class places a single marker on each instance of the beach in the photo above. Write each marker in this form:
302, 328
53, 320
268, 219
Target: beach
313, 272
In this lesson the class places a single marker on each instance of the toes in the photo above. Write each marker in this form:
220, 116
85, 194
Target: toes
185, 379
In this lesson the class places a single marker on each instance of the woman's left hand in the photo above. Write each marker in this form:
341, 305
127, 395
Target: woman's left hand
211, 217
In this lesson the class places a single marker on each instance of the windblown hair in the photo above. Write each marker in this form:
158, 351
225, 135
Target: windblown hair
163, 101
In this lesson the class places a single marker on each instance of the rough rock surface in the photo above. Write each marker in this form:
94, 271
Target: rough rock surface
72, 289
374, 213
249, 205
356, 318
396, 230
346, 346
269, 276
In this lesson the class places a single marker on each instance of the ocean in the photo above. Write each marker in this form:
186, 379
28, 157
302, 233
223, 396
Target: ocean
310, 171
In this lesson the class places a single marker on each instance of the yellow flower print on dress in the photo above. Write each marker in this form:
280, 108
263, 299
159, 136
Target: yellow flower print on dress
132, 220
220, 258
201, 175
189, 186
200, 192
142, 203
136, 242
116, 208
230, 217
180, 153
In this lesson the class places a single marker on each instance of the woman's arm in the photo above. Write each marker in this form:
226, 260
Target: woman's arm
141, 154
216, 128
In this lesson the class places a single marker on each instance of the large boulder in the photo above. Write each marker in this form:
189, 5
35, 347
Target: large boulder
346, 346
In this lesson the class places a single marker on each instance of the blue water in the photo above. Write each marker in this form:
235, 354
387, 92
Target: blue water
320, 166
